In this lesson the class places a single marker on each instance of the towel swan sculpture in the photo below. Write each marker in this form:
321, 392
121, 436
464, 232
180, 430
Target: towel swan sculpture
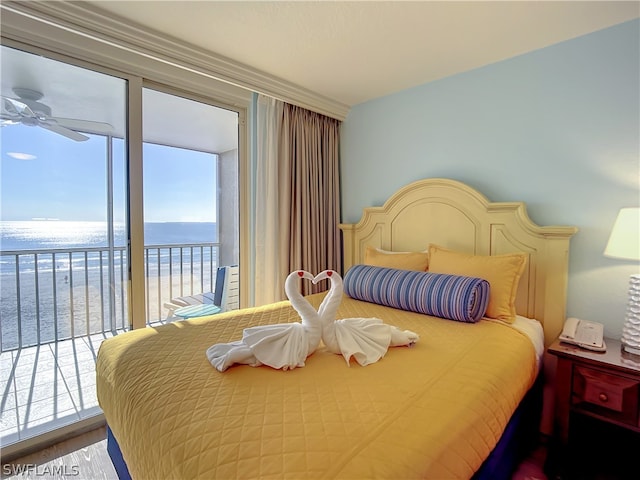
365, 339
282, 345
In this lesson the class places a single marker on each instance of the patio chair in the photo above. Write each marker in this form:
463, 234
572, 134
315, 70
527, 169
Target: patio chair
226, 294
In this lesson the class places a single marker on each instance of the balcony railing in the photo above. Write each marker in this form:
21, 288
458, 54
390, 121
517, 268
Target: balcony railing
57, 294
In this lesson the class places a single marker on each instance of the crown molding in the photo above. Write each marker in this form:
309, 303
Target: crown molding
74, 22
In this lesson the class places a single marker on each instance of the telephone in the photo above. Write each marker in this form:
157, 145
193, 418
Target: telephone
584, 334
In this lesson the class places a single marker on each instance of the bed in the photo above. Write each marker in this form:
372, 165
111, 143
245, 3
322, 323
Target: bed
457, 404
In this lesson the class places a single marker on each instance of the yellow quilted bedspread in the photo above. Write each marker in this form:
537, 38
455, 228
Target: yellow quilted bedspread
434, 410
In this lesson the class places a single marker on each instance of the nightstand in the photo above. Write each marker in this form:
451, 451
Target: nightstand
598, 387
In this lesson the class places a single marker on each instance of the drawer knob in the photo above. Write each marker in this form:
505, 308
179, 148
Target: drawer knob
603, 397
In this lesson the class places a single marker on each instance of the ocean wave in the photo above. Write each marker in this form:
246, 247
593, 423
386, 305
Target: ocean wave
47, 266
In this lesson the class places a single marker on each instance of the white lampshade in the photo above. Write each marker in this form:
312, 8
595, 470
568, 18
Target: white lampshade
624, 241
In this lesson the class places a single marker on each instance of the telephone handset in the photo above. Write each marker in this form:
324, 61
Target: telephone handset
584, 334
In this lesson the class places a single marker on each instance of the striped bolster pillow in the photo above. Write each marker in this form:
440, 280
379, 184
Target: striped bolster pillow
448, 296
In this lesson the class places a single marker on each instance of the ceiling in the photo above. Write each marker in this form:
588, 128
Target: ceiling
349, 52
352, 52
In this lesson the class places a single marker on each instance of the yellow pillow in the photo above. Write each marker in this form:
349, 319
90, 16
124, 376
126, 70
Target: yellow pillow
377, 257
501, 271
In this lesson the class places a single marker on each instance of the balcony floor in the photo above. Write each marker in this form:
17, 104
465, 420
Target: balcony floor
48, 386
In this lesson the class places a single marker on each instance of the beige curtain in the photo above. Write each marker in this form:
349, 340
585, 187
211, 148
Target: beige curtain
297, 197
310, 149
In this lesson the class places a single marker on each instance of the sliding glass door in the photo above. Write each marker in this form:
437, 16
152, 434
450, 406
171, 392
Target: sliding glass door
190, 177
64, 259
114, 200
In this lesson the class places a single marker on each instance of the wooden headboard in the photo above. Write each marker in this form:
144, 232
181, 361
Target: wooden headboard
451, 214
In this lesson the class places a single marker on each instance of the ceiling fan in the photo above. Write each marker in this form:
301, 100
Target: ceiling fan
27, 110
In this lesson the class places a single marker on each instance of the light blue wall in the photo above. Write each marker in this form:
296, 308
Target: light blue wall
557, 128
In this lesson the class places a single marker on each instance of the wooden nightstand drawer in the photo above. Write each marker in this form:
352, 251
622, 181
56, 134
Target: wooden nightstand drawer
612, 396
599, 391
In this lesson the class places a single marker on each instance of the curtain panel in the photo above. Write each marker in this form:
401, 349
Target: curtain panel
297, 197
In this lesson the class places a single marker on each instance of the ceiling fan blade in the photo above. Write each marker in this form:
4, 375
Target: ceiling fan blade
84, 125
6, 119
16, 107
78, 137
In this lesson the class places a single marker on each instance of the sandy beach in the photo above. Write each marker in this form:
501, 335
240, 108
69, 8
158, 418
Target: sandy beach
81, 301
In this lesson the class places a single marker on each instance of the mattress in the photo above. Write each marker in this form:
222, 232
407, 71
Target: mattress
434, 410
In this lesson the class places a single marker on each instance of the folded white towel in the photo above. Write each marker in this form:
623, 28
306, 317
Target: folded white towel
365, 339
282, 345
223, 355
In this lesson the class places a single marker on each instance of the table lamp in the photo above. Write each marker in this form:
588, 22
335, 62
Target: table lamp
624, 242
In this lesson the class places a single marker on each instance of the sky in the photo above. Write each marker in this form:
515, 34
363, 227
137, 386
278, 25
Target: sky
67, 180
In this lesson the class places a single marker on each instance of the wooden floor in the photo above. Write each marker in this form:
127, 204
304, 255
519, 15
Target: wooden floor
532, 468
85, 458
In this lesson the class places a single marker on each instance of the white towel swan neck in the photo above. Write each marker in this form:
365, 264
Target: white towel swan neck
282, 345
365, 339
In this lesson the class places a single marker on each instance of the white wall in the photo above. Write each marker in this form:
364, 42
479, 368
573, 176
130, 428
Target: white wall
558, 128
228, 211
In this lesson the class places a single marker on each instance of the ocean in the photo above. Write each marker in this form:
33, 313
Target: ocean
54, 234
45, 234
67, 294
